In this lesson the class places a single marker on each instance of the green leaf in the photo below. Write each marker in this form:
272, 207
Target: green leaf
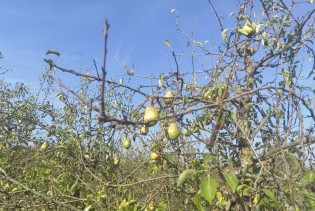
208, 189
185, 99
53, 52
197, 203
166, 42
232, 180
207, 157
309, 177
270, 194
185, 175
161, 207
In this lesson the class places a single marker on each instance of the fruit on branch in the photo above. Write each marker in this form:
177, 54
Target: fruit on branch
144, 130
150, 116
249, 29
154, 156
186, 132
116, 161
126, 143
196, 127
173, 131
168, 97
44, 146
48, 133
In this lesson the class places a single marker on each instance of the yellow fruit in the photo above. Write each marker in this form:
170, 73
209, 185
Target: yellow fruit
173, 131
126, 143
150, 116
144, 130
154, 156
116, 161
168, 98
44, 146
196, 128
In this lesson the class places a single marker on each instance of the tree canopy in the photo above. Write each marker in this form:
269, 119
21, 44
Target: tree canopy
233, 130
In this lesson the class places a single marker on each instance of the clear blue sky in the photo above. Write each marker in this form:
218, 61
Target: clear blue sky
74, 28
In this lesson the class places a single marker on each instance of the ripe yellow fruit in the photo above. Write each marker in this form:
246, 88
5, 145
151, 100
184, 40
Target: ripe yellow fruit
116, 161
173, 131
126, 143
154, 156
44, 146
168, 97
150, 116
144, 130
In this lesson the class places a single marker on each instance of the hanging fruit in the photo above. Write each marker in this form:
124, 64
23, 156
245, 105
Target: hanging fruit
168, 97
173, 131
150, 116
144, 130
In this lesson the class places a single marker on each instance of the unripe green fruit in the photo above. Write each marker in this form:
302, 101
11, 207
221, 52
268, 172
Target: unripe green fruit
150, 116
173, 131
168, 98
186, 132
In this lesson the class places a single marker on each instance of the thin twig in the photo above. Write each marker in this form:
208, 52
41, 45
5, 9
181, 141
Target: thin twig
106, 27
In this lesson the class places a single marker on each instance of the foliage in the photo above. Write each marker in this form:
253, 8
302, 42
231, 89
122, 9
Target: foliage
247, 118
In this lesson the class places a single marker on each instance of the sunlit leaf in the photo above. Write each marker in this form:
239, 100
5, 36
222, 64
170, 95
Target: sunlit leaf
223, 34
166, 42
208, 189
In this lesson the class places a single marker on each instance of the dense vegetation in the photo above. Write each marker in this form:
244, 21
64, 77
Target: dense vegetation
234, 134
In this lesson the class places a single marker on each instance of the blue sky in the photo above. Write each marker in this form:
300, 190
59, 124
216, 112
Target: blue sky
74, 28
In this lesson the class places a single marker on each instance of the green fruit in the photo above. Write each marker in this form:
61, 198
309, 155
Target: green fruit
150, 116
126, 143
31, 127
48, 133
154, 156
168, 98
144, 130
186, 132
173, 131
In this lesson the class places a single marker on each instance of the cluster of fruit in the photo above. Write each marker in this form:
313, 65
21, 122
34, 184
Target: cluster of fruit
150, 118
